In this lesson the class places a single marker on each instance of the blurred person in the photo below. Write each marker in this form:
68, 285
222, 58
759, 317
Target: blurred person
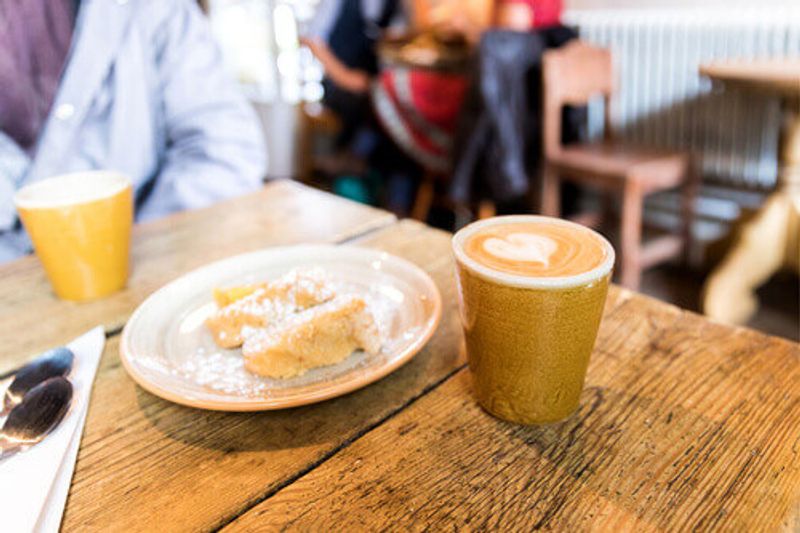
498, 150
343, 36
470, 18
418, 99
525, 15
136, 86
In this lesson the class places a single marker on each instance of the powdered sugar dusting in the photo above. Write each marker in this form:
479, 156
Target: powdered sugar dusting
223, 370
167, 347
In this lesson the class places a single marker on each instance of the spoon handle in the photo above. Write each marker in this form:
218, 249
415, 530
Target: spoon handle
8, 448
7, 405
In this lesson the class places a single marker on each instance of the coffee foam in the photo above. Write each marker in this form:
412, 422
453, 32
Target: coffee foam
521, 247
71, 189
533, 251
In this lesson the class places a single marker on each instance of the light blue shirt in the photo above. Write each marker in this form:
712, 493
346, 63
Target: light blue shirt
145, 93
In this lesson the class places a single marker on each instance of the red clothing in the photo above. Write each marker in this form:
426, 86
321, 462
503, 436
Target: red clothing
419, 110
545, 12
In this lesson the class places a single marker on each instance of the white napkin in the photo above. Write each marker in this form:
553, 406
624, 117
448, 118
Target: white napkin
34, 484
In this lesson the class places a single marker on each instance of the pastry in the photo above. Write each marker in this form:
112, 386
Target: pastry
321, 335
248, 308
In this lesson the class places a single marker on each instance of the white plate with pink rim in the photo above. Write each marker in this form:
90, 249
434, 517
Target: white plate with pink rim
166, 348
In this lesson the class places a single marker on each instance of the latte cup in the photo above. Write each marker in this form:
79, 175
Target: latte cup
531, 300
80, 226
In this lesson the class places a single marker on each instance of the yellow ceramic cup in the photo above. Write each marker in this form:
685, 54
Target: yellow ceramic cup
80, 225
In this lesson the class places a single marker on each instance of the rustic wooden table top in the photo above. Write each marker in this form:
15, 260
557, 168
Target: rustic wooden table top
683, 423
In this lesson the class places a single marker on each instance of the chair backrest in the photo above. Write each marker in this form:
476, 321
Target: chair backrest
573, 75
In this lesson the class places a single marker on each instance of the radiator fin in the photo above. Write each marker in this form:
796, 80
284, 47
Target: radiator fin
662, 100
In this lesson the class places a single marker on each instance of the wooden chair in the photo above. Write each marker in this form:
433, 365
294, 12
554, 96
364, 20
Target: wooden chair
315, 122
573, 75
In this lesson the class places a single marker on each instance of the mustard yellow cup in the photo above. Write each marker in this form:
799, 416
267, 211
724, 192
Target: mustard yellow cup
80, 225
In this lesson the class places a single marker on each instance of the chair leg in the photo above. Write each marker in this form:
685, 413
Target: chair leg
631, 236
486, 209
607, 206
551, 197
304, 155
688, 195
423, 200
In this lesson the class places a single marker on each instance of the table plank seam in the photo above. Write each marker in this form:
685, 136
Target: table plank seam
683, 422
377, 424
367, 232
113, 331
340, 447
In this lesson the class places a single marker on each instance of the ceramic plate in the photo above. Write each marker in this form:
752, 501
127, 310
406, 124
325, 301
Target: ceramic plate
166, 348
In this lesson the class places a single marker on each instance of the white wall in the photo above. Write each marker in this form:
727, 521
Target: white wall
603, 4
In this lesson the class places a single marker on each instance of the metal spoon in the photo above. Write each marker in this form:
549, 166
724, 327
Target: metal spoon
40, 411
54, 363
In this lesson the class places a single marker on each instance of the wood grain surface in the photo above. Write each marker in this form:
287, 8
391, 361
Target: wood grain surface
683, 425
33, 319
146, 464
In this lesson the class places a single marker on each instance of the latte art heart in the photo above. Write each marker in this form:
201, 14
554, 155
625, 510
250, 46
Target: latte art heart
535, 248
526, 247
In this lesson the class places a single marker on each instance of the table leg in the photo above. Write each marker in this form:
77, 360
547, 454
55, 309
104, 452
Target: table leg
424, 199
791, 184
765, 244
631, 236
551, 192
758, 252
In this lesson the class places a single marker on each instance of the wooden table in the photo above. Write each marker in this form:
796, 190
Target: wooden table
771, 240
683, 423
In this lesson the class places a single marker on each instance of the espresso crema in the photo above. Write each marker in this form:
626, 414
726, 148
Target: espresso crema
536, 249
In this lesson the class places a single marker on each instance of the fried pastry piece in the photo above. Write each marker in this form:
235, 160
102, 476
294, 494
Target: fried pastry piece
229, 295
268, 303
322, 335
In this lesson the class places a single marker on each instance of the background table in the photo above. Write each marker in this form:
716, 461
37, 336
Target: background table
683, 423
771, 239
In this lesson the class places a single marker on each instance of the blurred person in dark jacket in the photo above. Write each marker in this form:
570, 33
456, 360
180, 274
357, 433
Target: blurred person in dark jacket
499, 147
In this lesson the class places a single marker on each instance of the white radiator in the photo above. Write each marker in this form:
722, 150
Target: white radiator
662, 100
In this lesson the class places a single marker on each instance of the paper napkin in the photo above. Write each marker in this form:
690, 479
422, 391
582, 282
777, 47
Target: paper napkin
34, 484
